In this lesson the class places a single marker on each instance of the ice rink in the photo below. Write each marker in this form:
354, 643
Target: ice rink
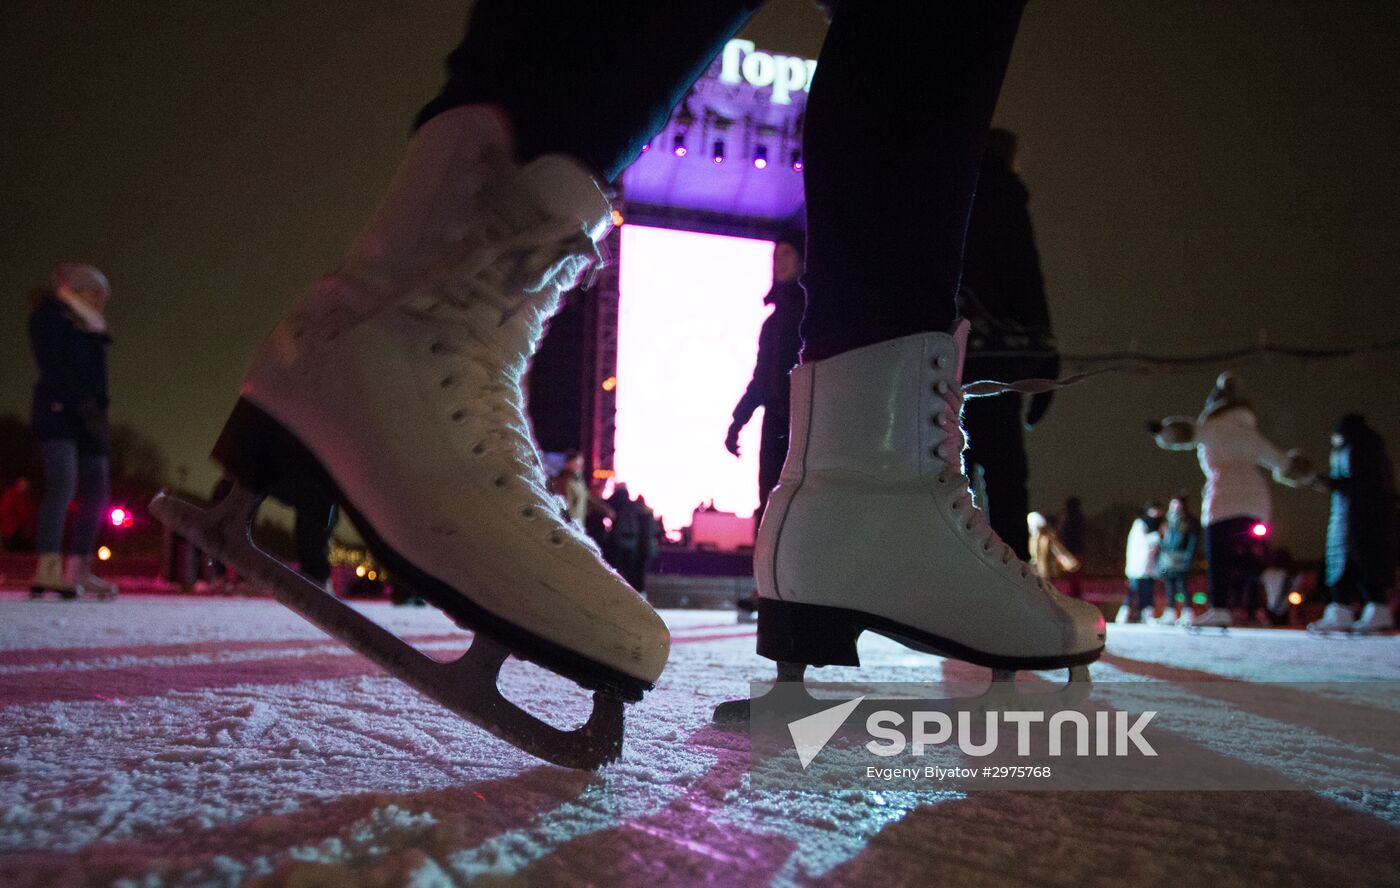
182, 741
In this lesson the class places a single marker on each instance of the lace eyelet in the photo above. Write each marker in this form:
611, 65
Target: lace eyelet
447, 382
438, 348
499, 481
479, 448
942, 479
529, 513
556, 538
459, 415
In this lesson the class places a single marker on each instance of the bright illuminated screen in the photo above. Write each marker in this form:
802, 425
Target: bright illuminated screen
689, 314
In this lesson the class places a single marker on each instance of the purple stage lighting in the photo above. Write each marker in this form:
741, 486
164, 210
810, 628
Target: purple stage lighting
796, 161
719, 151
679, 149
760, 157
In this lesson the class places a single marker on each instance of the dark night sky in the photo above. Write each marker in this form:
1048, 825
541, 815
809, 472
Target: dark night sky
1200, 172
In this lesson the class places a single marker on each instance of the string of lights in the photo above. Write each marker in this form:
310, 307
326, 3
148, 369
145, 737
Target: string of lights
1091, 365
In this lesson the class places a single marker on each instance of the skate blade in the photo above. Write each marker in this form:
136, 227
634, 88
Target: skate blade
790, 694
467, 686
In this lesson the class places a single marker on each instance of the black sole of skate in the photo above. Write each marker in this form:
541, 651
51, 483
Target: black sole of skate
820, 635
276, 455
801, 635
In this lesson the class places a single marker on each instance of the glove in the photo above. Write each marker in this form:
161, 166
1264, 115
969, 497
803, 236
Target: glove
1040, 402
731, 440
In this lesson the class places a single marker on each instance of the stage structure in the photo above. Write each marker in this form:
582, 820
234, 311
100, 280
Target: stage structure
727, 168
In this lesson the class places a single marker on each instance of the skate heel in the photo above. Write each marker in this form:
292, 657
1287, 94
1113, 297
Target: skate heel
259, 453
808, 634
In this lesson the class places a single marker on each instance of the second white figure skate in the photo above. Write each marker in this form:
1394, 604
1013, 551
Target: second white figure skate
872, 528
394, 389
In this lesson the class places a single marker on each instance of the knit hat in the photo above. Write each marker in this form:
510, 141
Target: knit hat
80, 278
1223, 396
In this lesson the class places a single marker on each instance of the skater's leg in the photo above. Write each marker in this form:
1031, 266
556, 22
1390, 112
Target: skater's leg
394, 386
93, 495
996, 443
591, 80
772, 452
889, 175
313, 536
60, 459
876, 438
1218, 562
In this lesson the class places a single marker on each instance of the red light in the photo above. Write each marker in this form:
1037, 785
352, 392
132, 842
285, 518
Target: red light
120, 518
1260, 530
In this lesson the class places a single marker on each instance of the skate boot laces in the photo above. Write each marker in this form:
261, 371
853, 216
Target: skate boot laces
486, 325
971, 519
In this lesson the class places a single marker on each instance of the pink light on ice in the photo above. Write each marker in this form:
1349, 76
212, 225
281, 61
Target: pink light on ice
690, 311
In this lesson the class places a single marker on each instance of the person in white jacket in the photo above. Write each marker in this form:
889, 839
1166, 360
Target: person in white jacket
1140, 565
1235, 502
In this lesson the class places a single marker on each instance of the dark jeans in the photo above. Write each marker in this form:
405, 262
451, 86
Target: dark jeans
772, 451
1141, 592
889, 181
1176, 589
996, 445
1232, 562
1352, 586
70, 472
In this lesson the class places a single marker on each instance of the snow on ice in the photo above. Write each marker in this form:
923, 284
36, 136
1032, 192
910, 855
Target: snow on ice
162, 742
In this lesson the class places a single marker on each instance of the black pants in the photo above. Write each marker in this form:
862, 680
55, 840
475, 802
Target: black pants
889, 176
1141, 592
996, 445
1233, 562
1352, 585
772, 451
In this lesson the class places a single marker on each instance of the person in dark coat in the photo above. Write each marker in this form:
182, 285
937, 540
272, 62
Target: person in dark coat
621, 547
68, 335
1361, 530
1003, 297
779, 342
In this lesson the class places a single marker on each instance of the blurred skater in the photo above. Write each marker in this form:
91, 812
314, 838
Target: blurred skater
1140, 565
1174, 558
68, 335
1361, 530
1236, 497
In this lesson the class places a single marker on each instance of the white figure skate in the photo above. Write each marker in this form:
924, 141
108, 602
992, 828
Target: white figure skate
1337, 619
872, 527
1376, 617
1211, 618
393, 389
78, 570
49, 577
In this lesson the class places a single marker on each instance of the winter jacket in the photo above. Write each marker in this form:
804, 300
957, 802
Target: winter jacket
1361, 528
1178, 547
1231, 451
1003, 291
1141, 558
70, 398
779, 342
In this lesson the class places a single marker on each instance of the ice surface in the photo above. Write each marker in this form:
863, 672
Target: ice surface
171, 742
